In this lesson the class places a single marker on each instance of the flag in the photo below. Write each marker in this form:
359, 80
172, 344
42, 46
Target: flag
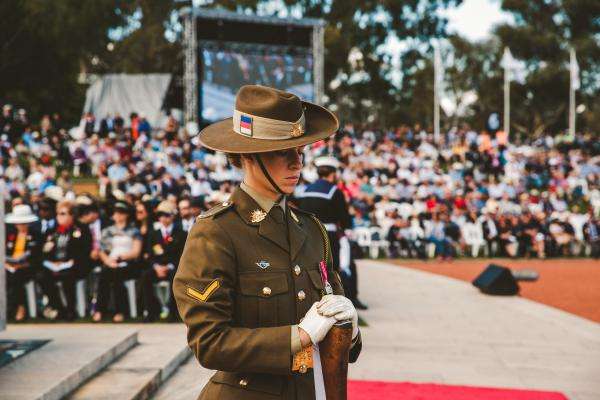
508, 61
574, 69
515, 68
438, 69
246, 125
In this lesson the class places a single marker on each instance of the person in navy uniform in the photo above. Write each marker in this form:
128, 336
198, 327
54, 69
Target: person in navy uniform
165, 245
23, 251
324, 199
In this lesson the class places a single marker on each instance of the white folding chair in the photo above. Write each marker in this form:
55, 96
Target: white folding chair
162, 290
378, 242
31, 303
131, 296
80, 298
363, 237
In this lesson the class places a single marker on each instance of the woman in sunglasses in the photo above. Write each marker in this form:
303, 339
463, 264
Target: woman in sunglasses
65, 251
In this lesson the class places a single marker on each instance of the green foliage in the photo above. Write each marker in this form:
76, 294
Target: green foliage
543, 33
43, 44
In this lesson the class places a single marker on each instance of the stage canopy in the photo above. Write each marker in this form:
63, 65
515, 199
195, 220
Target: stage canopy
124, 94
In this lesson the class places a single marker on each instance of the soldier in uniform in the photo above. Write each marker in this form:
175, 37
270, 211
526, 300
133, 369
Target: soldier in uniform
324, 199
251, 280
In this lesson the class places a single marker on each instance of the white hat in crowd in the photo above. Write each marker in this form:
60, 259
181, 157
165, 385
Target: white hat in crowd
21, 214
327, 161
166, 207
55, 193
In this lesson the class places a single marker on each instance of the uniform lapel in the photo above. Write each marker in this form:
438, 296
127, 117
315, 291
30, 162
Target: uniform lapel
297, 235
274, 231
267, 227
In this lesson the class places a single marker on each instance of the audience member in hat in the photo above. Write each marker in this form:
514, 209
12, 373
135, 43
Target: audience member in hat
65, 251
23, 255
120, 251
165, 245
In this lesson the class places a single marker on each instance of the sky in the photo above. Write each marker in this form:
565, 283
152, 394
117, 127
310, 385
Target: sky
474, 19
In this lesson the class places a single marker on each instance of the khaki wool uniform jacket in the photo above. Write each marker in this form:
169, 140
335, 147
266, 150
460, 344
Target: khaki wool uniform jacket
240, 289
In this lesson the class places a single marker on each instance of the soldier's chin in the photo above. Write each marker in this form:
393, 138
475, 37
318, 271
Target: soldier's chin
288, 187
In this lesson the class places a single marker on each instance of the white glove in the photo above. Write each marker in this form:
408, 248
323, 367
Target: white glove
315, 325
340, 308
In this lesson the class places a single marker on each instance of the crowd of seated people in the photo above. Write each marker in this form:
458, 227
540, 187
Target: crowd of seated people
469, 194
64, 242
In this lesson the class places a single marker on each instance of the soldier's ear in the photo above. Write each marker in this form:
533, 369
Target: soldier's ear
246, 159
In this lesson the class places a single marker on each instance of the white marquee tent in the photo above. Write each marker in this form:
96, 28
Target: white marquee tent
125, 93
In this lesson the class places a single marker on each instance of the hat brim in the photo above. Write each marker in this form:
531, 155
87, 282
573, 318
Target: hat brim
20, 219
220, 136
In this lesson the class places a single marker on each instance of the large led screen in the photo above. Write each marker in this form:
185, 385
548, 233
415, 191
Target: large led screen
224, 71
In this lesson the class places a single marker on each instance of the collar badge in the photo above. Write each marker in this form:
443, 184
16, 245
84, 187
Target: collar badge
294, 216
257, 216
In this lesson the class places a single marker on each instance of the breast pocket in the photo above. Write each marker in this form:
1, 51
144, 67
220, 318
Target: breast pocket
264, 300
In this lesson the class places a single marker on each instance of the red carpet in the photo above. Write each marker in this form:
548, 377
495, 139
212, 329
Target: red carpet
374, 390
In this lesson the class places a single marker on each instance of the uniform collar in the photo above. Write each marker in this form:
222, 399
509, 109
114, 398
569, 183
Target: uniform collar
264, 202
246, 206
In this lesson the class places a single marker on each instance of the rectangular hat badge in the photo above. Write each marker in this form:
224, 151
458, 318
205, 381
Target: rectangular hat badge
246, 125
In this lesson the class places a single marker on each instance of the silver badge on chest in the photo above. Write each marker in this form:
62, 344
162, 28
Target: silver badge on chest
263, 264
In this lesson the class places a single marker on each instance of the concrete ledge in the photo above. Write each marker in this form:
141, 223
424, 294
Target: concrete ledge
75, 354
139, 373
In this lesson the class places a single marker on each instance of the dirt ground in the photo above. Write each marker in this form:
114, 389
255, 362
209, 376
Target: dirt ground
572, 285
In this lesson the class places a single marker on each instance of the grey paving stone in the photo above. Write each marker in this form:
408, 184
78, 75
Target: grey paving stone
450, 333
139, 373
186, 383
76, 352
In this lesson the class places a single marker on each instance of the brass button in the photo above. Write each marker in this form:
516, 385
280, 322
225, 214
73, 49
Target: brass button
266, 291
303, 369
297, 270
225, 203
243, 383
301, 295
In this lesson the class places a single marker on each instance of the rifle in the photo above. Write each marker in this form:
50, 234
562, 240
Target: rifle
334, 350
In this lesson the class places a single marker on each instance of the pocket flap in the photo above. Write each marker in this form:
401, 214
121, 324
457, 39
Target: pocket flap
263, 284
266, 383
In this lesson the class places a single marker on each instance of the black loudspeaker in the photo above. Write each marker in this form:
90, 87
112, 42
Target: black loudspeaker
497, 280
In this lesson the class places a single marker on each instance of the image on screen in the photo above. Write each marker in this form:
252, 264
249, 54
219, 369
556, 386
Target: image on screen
224, 71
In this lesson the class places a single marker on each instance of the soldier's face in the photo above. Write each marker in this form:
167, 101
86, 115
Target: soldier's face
284, 167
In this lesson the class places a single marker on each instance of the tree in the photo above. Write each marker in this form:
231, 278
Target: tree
146, 49
541, 36
43, 45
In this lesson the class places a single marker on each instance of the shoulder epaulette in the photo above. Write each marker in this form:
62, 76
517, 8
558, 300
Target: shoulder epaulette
301, 211
216, 210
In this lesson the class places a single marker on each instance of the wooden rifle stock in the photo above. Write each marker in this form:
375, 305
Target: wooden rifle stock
334, 351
